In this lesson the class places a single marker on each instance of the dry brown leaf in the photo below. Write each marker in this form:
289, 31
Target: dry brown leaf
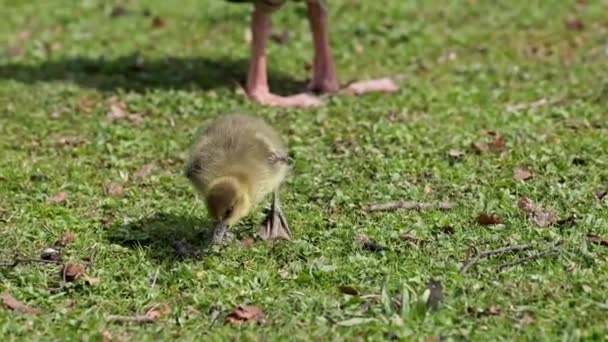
543, 217
456, 154
59, 197
157, 311
72, 271
598, 240
522, 173
10, 302
158, 22
245, 313
573, 23
498, 144
66, 238
428, 189
144, 171
488, 219
349, 290
114, 189
385, 85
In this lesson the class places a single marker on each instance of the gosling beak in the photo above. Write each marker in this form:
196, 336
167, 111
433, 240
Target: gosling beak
218, 232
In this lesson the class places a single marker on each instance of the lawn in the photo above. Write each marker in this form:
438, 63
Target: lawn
498, 101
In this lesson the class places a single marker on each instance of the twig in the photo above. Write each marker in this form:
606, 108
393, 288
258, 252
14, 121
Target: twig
409, 205
136, 319
474, 261
23, 261
528, 258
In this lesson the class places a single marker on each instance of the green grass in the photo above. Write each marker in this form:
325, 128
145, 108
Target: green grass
71, 58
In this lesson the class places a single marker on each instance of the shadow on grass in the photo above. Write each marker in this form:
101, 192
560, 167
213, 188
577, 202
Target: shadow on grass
165, 236
138, 74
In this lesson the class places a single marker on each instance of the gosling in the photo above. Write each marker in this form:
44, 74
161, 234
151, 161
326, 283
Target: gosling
235, 163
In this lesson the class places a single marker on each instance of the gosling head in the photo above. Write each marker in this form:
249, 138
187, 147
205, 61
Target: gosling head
227, 202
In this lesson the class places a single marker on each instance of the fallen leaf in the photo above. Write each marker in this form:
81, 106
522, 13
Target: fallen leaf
66, 238
543, 217
91, 281
157, 311
280, 37
85, 104
114, 189
488, 219
355, 321
349, 290
158, 22
428, 189
522, 173
598, 240
435, 295
456, 154
573, 23
385, 85
10, 302
72, 271
59, 197
498, 144
245, 313
144, 171
50, 254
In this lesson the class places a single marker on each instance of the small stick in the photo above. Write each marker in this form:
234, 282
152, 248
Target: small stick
474, 261
528, 258
136, 319
409, 205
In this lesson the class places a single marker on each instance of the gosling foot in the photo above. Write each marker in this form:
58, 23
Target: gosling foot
275, 225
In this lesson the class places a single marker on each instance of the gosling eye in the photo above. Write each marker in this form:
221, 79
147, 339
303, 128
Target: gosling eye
228, 212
